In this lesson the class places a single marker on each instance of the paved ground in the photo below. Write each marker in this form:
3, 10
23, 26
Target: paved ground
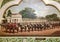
50, 32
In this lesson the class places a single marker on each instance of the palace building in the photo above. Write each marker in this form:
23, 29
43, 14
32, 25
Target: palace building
14, 18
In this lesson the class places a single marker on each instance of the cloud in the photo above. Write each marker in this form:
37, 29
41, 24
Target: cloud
38, 5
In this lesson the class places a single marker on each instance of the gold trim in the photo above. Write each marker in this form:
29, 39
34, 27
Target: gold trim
11, 6
51, 5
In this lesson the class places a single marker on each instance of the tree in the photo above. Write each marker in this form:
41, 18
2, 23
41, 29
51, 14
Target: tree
9, 13
28, 13
52, 17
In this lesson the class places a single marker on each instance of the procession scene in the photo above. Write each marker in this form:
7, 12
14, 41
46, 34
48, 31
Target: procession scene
30, 18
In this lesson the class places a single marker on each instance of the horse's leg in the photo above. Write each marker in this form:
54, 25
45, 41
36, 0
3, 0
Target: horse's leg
29, 29
17, 30
35, 28
10, 30
32, 28
21, 29
6, 29
25, 29
40, 27
13, 30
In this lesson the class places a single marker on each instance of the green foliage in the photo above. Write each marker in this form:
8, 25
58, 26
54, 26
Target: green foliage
4, 15
9, 13
5, 1
1, 40
29, 40
53, 40
28, 13
52, 17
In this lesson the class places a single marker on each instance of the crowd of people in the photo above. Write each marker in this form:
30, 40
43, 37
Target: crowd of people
21, 27
39, 26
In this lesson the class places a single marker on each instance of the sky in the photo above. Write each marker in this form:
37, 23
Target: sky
41, 10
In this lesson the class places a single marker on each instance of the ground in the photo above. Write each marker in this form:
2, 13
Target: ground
48, 32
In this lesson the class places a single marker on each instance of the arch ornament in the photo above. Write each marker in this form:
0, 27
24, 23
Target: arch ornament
52, 3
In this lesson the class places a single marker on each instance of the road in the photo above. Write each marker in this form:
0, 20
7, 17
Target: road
48, 32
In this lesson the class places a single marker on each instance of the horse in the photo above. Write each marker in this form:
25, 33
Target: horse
12, 26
